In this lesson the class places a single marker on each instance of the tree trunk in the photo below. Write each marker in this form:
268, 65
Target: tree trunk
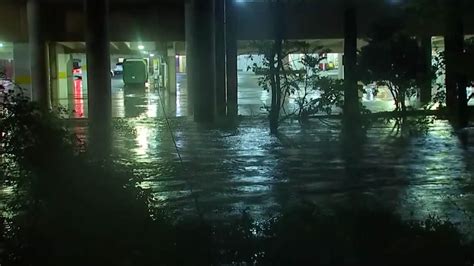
403, 103
273, 108
277, 52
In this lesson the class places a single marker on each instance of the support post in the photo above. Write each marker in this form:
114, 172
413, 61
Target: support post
425, 90
231, 58
65, 80
22, 67
340, 72
98, 78
53, 74
219, 42
38, 55
172, 70
200, 58
351, 95
453, 42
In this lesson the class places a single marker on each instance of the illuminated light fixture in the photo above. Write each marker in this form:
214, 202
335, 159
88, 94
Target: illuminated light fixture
141, 47
1, 44
144, 52
151, 55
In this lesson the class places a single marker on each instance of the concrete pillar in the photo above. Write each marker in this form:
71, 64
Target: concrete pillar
453, 42
182, 64
200, 58
189, 66
21, 67
65, 78
425, 91
172, 71
53, 74
61, 76
170, 99
219, 42
38, 54
340, 73
351, 97
98, 78
231, 58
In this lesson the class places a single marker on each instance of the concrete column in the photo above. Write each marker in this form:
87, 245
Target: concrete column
21, 67
340, 73
38, 54
231, 58
170, 100
53, 74
188, 47
425, 91
172, 71
98, 78
200, 58
65, 79
221, 101
453, 42
351, 98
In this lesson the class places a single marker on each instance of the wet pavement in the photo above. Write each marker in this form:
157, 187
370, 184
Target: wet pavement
227, 171
144, 102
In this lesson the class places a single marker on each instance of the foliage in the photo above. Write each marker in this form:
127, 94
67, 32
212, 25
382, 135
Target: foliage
439, 70
69, 210
403, 127
63, 204
331, 94
360, 237
313, 92
392, 59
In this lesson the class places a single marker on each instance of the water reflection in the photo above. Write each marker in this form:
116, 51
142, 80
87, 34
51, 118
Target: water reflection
78, 99
135, 101
132, 102
245, 168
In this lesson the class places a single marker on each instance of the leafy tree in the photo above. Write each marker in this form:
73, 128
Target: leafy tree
392, 58
313, 92
438, 70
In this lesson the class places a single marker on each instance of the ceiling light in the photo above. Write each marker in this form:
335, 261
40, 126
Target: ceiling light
141, 47
151, 55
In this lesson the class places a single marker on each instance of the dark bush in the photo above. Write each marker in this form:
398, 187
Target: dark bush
67, 209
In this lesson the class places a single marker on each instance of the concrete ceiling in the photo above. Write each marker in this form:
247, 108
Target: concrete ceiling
164, 20
115, 47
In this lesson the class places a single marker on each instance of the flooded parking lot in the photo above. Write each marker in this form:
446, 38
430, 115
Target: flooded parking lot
227, 171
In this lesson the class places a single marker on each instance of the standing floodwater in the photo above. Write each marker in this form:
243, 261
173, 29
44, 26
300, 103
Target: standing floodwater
231, 170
